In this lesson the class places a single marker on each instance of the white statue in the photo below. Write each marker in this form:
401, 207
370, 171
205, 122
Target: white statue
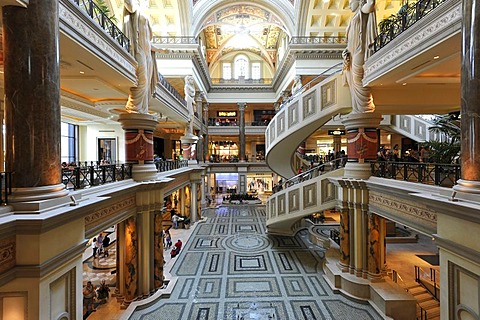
136, 27
297, 85
361, 33
191, 104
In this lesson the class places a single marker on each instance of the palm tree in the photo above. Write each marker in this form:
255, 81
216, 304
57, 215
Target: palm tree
445, 151
105, 9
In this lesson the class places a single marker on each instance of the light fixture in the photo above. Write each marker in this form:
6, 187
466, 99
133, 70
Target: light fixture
404, 84
81, 72
436, 57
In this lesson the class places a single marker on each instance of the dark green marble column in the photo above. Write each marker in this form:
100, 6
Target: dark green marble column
32, 100
470, 100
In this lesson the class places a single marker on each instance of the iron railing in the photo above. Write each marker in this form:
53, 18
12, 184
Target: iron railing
167, 165
445, 175
430, 281
6, 185
397, 24
310, 174
174, 40
94, 12
318, 40
171, 89
84, 174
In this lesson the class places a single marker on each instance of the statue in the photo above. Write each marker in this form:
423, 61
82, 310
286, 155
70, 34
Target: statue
136, 27
361, 33
297, 85
190, 98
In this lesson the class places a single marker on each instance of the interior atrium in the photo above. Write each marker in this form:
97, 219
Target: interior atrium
318, 159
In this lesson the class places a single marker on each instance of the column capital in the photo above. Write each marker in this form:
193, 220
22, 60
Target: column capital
241, 106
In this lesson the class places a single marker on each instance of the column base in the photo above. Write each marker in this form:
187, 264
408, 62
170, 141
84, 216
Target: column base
38, 193
355, 170
467, 186
144, 172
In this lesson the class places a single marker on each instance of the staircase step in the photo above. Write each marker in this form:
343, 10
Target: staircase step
429, 304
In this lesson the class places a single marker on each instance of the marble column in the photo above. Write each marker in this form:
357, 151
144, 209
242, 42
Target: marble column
146, 272
203, 194
205, 135
2, 157
189, 143
374, 246
337, 144
120, 246
241, 109
199, 101
139, 129
32, 100
362, 143
344, 239
130, 292
158, 261
470, 97
194, 202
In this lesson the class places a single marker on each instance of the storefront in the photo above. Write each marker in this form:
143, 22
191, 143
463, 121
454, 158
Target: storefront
259, 182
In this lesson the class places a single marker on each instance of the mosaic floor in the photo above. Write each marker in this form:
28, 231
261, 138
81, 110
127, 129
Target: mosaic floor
230, 269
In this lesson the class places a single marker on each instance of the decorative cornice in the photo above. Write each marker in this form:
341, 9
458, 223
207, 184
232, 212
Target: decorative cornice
106, 212
458, 249
409, 213
66, 100
77, 25
414, 40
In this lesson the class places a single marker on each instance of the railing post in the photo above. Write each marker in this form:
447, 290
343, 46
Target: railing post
104, 174
77, 177
437, 174
92, 175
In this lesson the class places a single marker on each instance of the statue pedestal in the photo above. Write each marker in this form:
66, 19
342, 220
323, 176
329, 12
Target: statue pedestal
139, 129
362, 143
189, 142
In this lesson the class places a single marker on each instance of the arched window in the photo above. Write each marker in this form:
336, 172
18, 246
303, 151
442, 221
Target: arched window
241, 67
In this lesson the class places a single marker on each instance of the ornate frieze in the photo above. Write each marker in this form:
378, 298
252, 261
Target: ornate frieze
7, 253
106, 212
404, 210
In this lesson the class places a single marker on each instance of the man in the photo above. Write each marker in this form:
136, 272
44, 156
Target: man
175, 220
88, 296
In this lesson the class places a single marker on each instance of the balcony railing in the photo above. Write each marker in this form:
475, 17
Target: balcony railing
242, 81
318, 40
167, 165
84, 175
396, 24
6, 184
174, 40
445, 175
101, 18
171, 89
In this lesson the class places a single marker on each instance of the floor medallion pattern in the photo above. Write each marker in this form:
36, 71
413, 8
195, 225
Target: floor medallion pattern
231, 269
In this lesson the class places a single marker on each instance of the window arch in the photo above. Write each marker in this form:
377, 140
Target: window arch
241, 66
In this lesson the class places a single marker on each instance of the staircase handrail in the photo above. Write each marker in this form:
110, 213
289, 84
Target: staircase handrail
309, 174
422, 277
310, 83
395, 277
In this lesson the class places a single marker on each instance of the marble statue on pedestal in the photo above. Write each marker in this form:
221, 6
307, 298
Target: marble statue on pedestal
297, 85
361, 33
136, 27
191, 104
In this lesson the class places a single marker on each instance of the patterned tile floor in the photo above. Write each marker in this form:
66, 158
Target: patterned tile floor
230, 269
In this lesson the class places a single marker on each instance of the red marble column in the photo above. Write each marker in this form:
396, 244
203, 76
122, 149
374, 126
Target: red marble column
32, 99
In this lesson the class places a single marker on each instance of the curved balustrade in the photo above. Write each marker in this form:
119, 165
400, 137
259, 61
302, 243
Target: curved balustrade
242, 81
301, 117
101, 18
167, 165
395, 25
174, 40
445, 175
332, 70
318, 40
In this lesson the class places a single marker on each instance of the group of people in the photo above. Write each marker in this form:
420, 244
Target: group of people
92, 295
168, 244
100, 245
410, 155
